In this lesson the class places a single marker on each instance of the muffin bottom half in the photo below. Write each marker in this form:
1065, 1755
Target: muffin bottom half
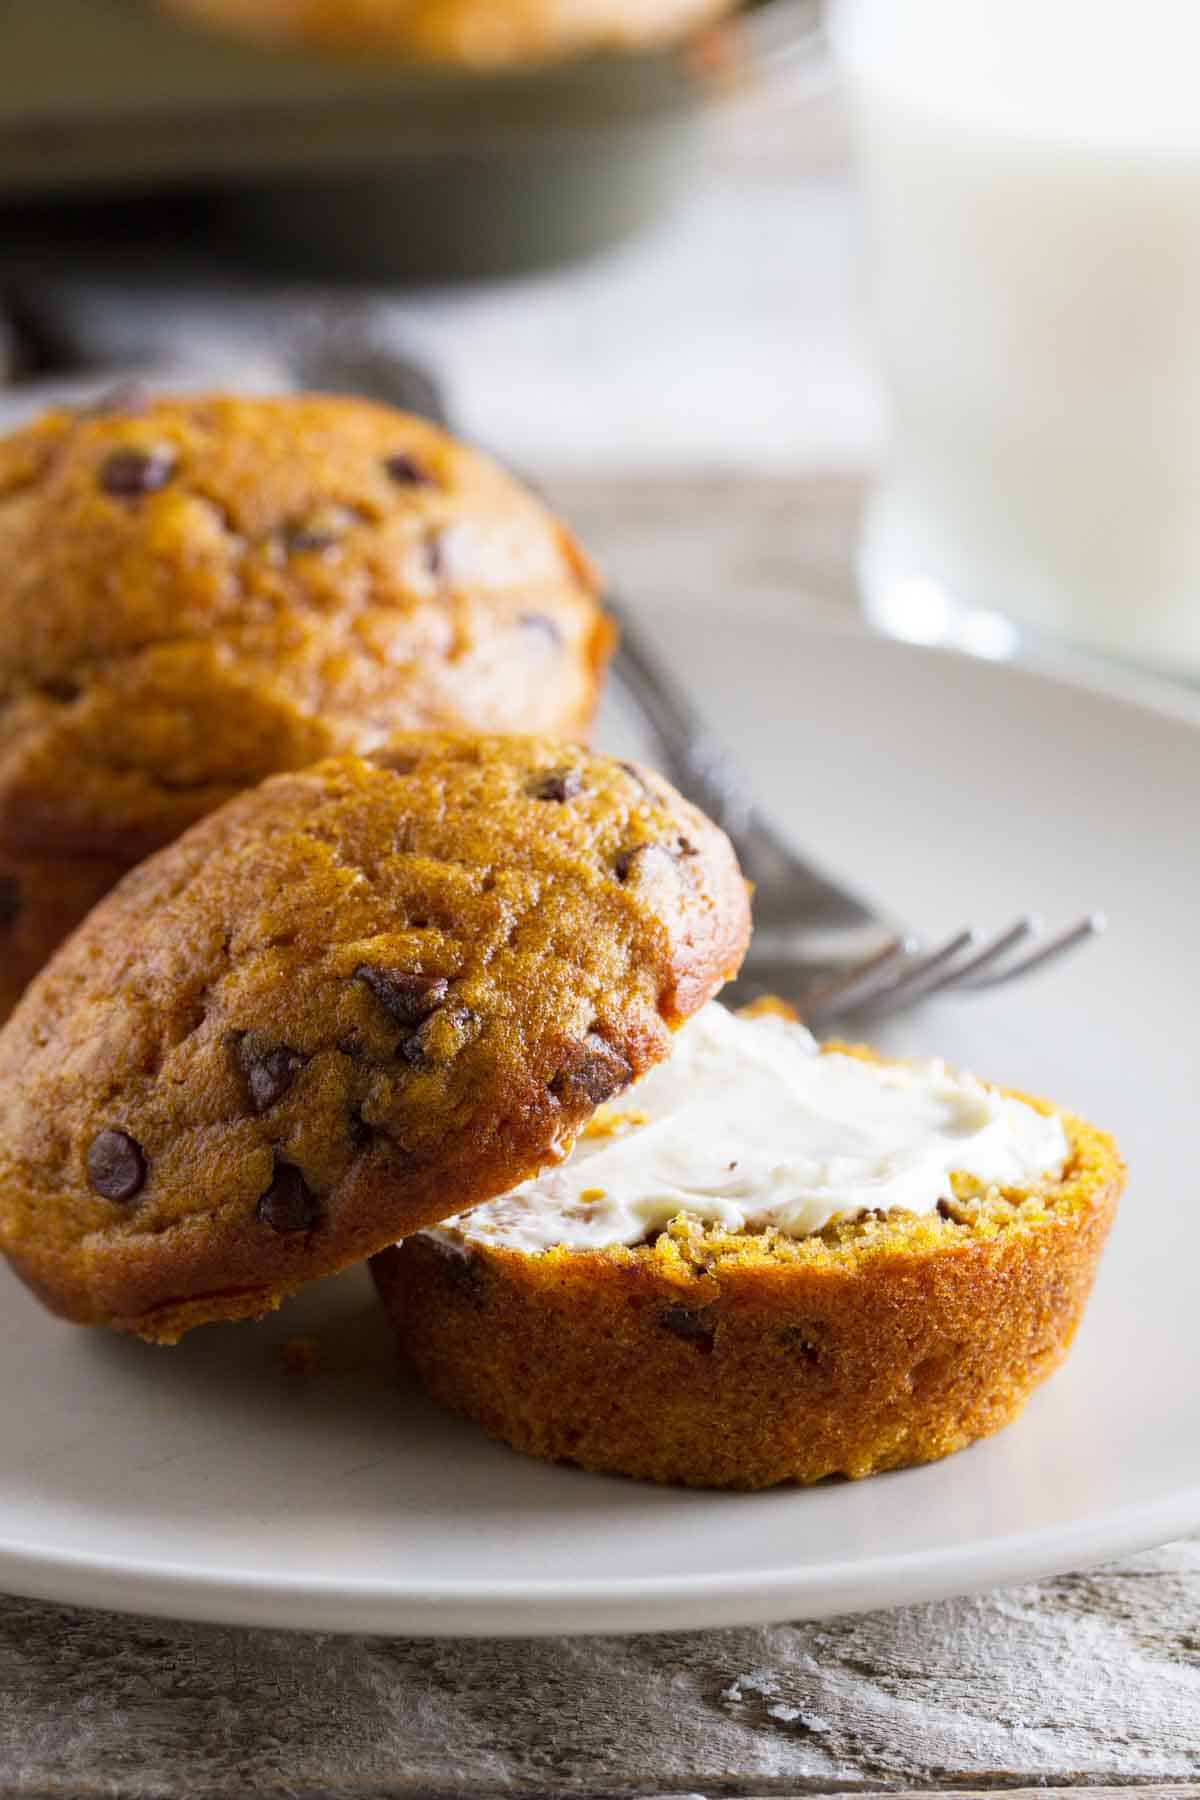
742, 1361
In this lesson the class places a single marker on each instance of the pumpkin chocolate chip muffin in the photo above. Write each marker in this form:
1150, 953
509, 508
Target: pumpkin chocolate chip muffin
479, 33
357, 998
765, 1264
199, 592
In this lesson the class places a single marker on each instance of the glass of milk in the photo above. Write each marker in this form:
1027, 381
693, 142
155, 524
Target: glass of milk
1031, 179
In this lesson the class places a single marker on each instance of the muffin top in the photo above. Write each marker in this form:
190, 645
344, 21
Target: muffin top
480, 33
355, 1000
197, 592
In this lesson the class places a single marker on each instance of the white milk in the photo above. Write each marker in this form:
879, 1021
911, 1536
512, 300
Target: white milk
1032, 179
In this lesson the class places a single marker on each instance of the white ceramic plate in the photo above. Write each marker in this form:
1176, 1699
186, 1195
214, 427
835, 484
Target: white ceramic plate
210, 1483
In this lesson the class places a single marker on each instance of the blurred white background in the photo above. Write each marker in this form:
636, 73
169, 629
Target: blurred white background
726, 337
730, 336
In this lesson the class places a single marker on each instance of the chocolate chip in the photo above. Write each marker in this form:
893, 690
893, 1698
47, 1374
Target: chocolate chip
641, 857
799, 1342
594, 1074
269, 1073
398, 761
126, 474
115, 1165
322, 528
460, 1268
61, 689
543, 625
441, 1037
289, 1203
559, 784
409, 998
12, 902
406, 471
358, 1131
638, 857
415, 1050
299, 540
695, 1327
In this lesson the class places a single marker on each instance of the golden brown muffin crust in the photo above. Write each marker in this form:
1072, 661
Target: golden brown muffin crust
481, 33
199, 592
746, 1360
355, 1000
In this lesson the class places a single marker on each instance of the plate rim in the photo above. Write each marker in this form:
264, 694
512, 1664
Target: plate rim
591, 1606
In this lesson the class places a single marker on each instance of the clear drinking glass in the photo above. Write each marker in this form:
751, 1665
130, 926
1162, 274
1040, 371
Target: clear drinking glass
1030, 172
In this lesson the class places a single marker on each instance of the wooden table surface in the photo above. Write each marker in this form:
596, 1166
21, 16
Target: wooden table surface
1091, 1679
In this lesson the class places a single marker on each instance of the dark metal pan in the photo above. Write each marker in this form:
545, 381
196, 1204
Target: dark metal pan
371, 169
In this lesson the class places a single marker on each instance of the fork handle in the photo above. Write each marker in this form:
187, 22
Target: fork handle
787, 887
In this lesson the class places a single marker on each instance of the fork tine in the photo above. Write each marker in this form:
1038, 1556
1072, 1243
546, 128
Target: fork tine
943, 973
901, 974
1090, 926
1028, 925
831, 995
948, 974
920, 975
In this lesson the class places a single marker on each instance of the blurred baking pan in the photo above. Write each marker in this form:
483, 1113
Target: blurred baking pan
370, 167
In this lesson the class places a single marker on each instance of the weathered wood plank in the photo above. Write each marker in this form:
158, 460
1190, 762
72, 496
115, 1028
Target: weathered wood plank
1090, 1679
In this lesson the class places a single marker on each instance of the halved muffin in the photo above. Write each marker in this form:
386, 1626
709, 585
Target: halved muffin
767, 1264
353, 1000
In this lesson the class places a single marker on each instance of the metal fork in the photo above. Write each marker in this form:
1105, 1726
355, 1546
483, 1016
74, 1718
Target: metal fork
817, 944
